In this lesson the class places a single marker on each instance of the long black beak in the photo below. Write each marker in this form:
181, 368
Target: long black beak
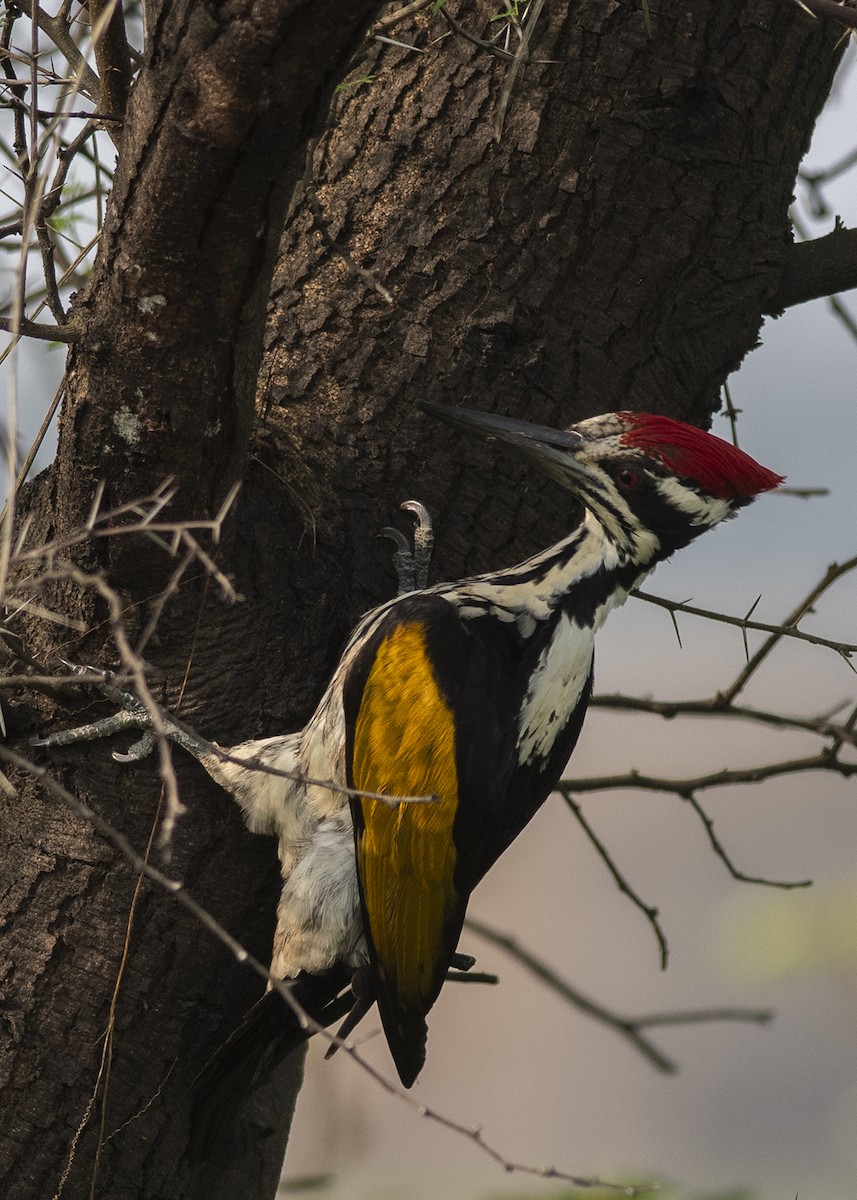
551, 450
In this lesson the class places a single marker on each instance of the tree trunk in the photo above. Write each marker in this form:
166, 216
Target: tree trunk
614, 245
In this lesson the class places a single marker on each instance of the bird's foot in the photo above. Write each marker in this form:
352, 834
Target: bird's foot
412, 563
132, 714
363, 992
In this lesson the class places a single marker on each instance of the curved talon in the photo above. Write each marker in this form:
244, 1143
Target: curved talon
141, 749
412, 564
403, 559
395, 535
423, 540
419, 510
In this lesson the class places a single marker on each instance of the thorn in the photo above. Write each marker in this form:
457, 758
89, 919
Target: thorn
674, 620
752, 607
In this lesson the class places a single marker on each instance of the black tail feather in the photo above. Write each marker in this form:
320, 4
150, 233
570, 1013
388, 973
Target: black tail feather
269, 1031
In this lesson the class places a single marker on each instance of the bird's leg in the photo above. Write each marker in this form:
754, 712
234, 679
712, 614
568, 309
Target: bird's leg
363, 991
423, 541
412, 564
132, 714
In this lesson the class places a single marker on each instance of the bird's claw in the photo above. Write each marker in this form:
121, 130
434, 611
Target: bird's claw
132, 714
412, 564
139, 750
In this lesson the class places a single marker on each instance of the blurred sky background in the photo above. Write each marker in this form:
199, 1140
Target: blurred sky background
769, 1109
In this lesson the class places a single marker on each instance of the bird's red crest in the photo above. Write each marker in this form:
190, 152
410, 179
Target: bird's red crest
719, 468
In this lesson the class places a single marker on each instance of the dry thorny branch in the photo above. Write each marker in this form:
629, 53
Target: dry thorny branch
56, 150
836, 738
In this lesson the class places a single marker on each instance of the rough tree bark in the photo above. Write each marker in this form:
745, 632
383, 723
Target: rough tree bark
616, 246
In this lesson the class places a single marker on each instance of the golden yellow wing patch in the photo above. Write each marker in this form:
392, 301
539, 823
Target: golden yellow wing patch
404, 745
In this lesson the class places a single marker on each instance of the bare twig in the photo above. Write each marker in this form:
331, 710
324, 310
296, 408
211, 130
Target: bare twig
648, 911
825, 761
786, 629
58, 31
832, 275
628, 1027
39, 438
732, 413
720, 851
717, 706
458, 28
21, 327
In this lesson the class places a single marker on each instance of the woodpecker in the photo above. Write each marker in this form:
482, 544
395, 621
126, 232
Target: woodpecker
473, 693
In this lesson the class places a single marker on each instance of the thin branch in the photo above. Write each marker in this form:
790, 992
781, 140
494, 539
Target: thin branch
786, 629
70, 332
66, 156
27, 464
628, 1027
458, 28
720, 852
825, 761
717, 706
58, 31
49, 270
815, 180
649, 912
834, 303
520, 59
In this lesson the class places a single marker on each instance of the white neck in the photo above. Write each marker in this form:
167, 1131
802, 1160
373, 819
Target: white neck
531, 591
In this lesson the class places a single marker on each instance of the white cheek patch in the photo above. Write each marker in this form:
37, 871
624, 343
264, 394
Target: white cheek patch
555, 688
703, 510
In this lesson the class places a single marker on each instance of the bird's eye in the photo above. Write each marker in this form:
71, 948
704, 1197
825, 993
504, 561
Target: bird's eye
626, 479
